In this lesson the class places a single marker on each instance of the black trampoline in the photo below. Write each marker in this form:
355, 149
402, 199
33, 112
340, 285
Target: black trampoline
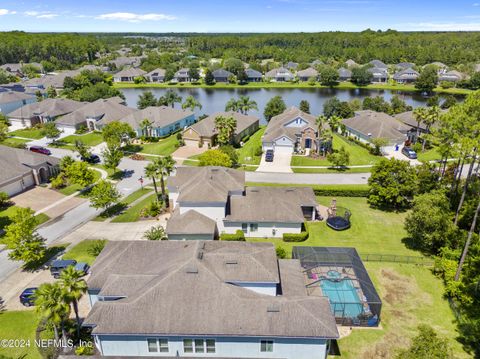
338, 217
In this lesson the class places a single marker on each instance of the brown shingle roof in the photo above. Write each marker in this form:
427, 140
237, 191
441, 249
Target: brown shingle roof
276, 126
51, 107
190, 222
160, 116
206, 127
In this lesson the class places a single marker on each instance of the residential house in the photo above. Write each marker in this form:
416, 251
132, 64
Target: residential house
351, 63
416, 129
12, 100
367, 125
164, 120
221, 75
378, 64
291, 131
307, 74
128, 75
204, 299
451, 76
379, 74
280, 74
182, 76
204, 132
344, 74
406, 76
404, 65
55, 80
253, 75
16, 69
123, 61
316, 63
23, 169
292, 66
111, 109
157, 75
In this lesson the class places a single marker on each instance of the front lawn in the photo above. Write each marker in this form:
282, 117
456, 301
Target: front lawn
132, 214
71, 189
14, 142
331, 170
33, 133
119, 207
163, 147
20, 325
358, 155
81, 252
90, 139
6, 215
429, 155
246, 154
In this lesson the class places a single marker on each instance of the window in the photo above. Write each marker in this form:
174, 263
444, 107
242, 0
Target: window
210, 345
253, 227
266, 346
199, 346
163, 343
187, 345
244, 227
152, 345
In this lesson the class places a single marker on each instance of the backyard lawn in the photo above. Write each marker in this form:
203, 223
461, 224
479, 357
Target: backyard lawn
163, 147
90, 139
132, 214
81, 252
33, 133
246, 154
19, 325
358, 155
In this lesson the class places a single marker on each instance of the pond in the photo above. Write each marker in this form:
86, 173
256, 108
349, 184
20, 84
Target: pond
214, 100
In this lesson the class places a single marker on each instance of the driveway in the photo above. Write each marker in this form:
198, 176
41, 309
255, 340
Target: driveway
280, 163
391, 153
182, 153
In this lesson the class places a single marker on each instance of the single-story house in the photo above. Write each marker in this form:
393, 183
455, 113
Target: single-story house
182, 76
350, 63
204, 299
405, 65
221, 75
405, 76
344, 74
317, 62
41, 112
367, 125
408, 119
204, 132
23, 169
191, 225
124, 61
253, 75
128, 75
12, 100
54, 80
378, 74
16, 69
452, 76
164, 120
307, 74
271, 211
291, 65
292, 130
111, 109
157, 75
279, 75
379, 64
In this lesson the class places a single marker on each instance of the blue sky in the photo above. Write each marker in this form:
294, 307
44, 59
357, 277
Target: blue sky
238, 16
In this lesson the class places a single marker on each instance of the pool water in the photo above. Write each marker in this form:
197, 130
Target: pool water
343, 297
334, 274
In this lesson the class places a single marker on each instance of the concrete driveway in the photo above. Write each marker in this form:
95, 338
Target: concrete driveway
182, 153
280, 163
391, 153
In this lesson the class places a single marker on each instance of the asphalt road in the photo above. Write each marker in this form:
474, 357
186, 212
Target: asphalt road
308, 178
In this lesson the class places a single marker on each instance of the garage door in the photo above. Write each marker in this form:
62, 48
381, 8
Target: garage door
67, 130
283, 148
17, 187
192, 143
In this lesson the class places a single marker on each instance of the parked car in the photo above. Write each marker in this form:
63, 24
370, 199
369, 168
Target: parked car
40, 149
92, 159
59, 265
407, 151
269, 156
82, 267
27, 298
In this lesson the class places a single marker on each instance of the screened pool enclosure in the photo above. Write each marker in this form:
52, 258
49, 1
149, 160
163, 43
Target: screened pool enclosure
339, 274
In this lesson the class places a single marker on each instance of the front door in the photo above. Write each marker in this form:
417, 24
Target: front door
308, 143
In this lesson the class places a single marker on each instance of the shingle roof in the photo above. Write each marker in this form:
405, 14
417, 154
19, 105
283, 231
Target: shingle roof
160, 116
131, 72
253, 73
276, 126
309, 72
51, 107
378, 63
221, 73
192, 294
206, 127
190, 222
157, 72
350, 63
52, 80
344, 73
406, 74
281, 72
405, 65
271, 204
408, 119
13, 96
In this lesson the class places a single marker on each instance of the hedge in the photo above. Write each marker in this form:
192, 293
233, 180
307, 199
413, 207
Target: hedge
343, 190
237, 236
295, 237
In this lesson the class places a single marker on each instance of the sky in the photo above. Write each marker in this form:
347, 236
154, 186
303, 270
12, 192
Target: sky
238, 16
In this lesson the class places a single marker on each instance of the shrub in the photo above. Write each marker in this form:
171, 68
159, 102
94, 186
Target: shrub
81, 130
237, 236
281, 252
3, 199
151, 210
156, 233
97, 247
258, 151
137, 157
85, 349
295, 237
339, 192
58, 182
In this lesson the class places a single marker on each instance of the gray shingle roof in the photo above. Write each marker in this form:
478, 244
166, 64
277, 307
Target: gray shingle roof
190, 222
13, 96
51, 107
309, 72
279, 72
221, 73
251, 73
157, 73
406, 74
131, 72
344, 73
206, 127
276, 126
160, 116
379, 64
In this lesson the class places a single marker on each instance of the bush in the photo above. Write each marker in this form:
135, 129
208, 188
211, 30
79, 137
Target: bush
81, 130
3, 199
446, 84
417, 147
137, 157
295, 237
281, 252
339, 192
85, 349
151, 210
58, 182
237, 236
97, 247
156, 233
258, 151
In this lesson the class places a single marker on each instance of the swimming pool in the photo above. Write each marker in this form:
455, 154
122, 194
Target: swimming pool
343, 296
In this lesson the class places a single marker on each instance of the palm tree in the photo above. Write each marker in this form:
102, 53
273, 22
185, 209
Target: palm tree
420, 114
467, 244
164, 167
245, 104
321, 120
151, 172
145, 126
226, 128
191, 103
74, 286
51, 305
232, 105
171, 98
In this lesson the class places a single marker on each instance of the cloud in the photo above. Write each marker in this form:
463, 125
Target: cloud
40, 14
476, 4
7, 12
132, 17
47, 16
445, 26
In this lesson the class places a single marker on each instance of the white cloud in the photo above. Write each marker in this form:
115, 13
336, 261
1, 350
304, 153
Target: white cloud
7, 12
40, 14
476, 4
47, 16
132, 17
437, 26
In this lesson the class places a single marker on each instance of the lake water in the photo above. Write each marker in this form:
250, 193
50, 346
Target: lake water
214, 100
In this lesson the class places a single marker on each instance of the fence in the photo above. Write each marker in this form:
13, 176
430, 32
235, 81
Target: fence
393, 258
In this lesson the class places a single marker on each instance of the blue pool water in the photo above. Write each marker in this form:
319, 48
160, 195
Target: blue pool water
343, 296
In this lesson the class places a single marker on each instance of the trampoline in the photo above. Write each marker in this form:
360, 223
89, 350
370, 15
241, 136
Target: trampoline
338, 217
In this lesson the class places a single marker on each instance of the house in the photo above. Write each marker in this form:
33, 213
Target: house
23, 169
350, 63
157, 75
124, 61
367, 125
404, 65
253, 75
409, 120
379, 64
292, 65
111, 109
164, 120
280, 74
12, 100
182, 76
191, 225
16, 69
128, 75
204, 299
291, 131
378, 74
344, 74
221, 75
451, 76
204, 132
54, 80
42, 112
406, 76
307, 74
316, 63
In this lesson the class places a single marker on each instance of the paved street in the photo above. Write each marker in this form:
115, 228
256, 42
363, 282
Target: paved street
308, 178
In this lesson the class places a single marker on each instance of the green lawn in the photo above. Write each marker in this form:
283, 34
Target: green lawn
80, 252
429, 155
7, 213
122, 204
163, 147
191, 161
71, 189
246, 154
33, 133
132, 214
90, 139
19, 325
14, 142
332, 170
358, 155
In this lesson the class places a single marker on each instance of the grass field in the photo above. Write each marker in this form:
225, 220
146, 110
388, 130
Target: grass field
115, 210
246, 154
13, 142
19, 325
7, 213
332, 170
33, 133
90, 139
163, 147
80, 252
429, 155
132, 214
